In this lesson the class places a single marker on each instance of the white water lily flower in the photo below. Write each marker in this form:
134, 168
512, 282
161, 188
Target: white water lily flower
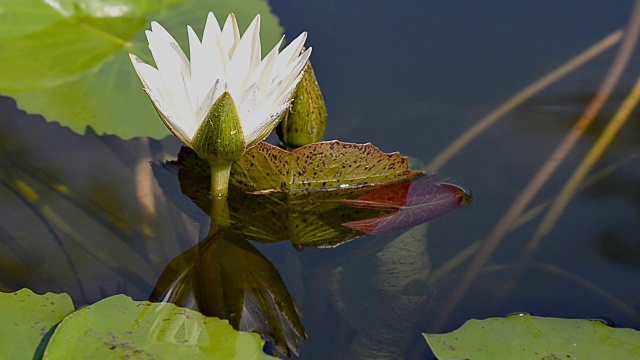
226, 98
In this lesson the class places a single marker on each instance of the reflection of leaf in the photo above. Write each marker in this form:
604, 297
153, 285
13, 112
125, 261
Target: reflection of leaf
27, 319
530, 337
419, 201
67, 60
118, 327
231, 279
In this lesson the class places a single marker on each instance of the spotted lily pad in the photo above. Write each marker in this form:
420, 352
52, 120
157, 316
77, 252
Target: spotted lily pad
27, 321
120, 328
315, 196
319, 166
531, 337
67, 59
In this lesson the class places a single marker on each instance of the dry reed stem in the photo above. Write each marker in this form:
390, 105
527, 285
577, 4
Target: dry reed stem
604, 141
483, 124
552, 163
572, 185
626, 309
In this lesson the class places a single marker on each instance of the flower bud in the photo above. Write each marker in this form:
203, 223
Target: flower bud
304, 123
219, 138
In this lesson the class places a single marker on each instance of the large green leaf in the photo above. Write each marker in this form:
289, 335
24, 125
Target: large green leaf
120, 328
530, 337
67, 59
27, 319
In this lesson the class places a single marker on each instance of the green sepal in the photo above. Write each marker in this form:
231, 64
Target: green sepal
220, 138
304, 123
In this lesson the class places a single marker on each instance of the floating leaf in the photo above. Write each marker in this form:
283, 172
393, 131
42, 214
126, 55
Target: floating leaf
531, 337
302, 195
322, 194
27, 320
118, 327
421, 200
67, 60
318, 166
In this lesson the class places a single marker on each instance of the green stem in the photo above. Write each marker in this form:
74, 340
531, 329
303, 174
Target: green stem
220, 172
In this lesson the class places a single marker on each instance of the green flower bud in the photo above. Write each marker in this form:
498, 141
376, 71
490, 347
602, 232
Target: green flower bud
304, 123
219, 138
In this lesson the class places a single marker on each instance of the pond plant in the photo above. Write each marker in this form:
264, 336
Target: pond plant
196, 254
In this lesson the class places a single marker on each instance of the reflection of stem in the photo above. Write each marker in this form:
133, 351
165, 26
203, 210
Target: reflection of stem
552, 163
463, 140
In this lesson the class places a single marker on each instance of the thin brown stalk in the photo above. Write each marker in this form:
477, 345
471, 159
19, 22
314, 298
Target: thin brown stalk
572, 185
463, 140
622, 307
552, 163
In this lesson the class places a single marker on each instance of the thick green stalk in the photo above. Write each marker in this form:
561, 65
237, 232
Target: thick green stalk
220, 172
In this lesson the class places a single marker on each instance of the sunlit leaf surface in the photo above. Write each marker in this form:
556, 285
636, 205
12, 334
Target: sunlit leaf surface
120, 328
27, 320
67, 59
530, 337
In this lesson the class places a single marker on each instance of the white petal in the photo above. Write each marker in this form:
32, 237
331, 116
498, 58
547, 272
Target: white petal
289, 53
230, 34
214, 51
171, 68
164, 36
246, 57
262, 74
209, 99
289, 78
262, 120
154, 87
149, 75
197, 86
247, 107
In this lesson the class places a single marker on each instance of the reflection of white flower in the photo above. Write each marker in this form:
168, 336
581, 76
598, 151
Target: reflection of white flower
225, 72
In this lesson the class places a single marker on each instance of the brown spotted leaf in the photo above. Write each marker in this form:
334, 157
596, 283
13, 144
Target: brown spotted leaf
323, 165
307, 195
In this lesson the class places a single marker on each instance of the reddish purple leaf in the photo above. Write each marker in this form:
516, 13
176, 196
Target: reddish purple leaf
418, 201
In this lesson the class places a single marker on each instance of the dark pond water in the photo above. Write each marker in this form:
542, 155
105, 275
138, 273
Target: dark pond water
409, 76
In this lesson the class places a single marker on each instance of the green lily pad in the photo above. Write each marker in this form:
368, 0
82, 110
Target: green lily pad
120, 328
531, 337
67, 60
27, 320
